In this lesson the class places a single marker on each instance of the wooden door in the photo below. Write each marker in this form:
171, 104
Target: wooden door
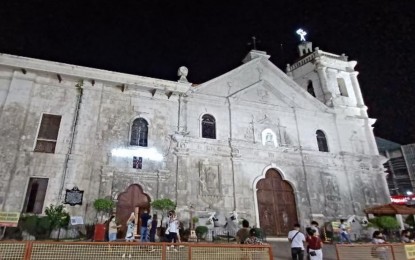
132, 200
276, 204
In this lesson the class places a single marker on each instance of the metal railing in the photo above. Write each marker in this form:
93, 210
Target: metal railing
132, 250
371, 251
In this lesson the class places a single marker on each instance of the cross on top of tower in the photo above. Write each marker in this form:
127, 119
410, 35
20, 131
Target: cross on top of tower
302, 33
254, 42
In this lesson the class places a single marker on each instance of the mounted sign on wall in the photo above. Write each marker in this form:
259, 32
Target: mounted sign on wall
74, 197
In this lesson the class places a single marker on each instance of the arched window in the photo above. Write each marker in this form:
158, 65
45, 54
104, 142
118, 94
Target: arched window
310, 88
322, 141
208, 127
139, 132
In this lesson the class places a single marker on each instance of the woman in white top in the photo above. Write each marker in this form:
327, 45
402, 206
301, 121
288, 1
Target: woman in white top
129, 237
173, 227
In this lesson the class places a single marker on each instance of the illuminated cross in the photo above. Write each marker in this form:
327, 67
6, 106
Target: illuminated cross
302, 33
254, 42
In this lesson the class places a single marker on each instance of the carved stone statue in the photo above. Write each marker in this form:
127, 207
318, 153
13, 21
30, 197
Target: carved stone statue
182, 73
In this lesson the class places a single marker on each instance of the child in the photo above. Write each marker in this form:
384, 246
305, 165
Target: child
129, 237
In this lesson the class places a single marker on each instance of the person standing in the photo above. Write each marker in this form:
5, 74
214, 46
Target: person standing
173, 228
314, 245
344, 236
153, 228
144, 230
297, 241
112, 229
129, 237
315, 227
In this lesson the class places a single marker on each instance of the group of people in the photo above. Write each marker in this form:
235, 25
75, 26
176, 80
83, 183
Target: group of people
247, 235
148, 228
312, 241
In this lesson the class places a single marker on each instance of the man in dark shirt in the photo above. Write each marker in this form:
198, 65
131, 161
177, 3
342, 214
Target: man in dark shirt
144, 228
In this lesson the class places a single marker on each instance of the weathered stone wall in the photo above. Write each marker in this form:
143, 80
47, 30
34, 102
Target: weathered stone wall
264, 120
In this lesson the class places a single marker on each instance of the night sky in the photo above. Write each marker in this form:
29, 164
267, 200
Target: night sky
154, 38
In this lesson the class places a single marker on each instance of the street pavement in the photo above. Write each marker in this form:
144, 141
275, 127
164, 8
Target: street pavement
281, 251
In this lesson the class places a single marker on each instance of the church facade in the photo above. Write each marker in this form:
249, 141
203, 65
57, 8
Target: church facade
277, 148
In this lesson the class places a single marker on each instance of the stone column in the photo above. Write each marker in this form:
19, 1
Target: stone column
181, 151
182, 114
321, 71
358, 93
400, 221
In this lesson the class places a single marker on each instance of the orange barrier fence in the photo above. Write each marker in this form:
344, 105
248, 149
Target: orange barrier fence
371, 251
133, 250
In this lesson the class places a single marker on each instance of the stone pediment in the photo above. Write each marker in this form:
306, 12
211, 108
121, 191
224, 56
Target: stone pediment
262, 92
260, 81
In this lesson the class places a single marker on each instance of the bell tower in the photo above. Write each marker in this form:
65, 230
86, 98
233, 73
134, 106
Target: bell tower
329, 77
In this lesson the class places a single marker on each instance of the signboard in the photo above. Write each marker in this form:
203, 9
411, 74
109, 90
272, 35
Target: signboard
74, 197
403, 199
336, 225
9, 219
77, 220
410, 252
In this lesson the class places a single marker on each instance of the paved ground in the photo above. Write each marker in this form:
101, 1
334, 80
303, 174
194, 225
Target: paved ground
281, 251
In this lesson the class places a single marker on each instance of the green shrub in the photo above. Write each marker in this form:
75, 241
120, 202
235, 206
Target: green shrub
58, 217
201, 231
385, 223
37, 226
410, 220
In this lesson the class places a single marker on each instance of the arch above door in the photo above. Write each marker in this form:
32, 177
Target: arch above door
127, 202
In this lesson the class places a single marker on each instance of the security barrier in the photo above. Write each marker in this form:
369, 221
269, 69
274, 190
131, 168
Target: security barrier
12, 250
133, 250
371, 251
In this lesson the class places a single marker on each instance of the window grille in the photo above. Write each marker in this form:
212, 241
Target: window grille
322, 141
208, 127
139, 132
48, 133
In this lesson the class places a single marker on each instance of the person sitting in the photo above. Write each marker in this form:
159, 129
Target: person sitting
243, 233
380, 252
253, 239
405, 234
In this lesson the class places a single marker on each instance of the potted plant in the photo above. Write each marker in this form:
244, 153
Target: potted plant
58, 218
104, 208
201, 232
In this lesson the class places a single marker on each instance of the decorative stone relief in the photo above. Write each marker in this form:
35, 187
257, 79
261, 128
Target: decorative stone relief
369, 194
331, 188
250, 130
276, 128
263, 94
182, 73
209, 179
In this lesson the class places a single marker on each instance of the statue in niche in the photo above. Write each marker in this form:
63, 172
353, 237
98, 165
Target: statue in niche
269, 138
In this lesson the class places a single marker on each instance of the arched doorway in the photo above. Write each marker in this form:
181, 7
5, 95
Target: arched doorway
127, 202
276, 204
